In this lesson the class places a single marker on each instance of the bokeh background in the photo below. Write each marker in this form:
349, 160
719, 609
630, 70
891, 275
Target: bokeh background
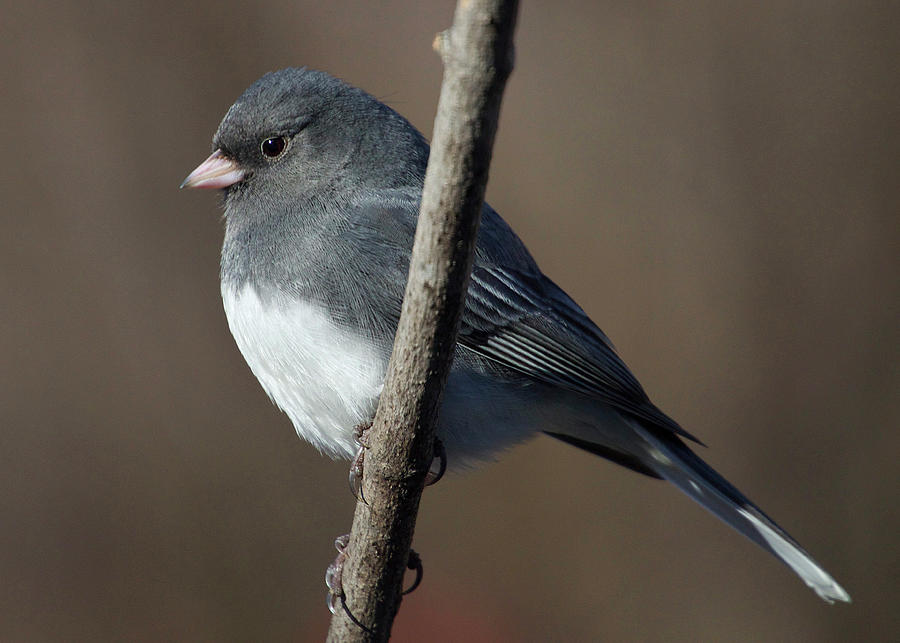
717, 185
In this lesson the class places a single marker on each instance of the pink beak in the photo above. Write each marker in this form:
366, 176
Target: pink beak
217, 171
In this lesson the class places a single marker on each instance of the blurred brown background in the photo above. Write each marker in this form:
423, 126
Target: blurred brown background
718, 187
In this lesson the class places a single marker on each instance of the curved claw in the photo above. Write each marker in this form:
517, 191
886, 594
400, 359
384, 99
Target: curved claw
440, 454
414, 563
341, 542
331, 600
356, 474
361, 433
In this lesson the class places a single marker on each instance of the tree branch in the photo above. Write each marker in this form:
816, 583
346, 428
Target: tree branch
477, 56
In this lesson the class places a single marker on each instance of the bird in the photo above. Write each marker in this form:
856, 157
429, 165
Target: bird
322, 184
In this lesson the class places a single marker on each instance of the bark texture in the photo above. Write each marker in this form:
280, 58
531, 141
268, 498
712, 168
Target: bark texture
477, 53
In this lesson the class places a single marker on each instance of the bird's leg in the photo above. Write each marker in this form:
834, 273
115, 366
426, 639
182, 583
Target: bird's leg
335, 571
361, 432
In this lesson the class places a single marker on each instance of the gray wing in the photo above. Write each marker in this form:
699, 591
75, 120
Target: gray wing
526, 323
515, 317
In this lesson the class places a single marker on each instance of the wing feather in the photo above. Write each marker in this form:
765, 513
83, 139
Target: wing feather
522, 321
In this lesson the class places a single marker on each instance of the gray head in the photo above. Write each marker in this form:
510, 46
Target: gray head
299, 132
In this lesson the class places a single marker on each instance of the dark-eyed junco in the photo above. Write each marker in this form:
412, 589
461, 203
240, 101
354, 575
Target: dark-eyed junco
322, 184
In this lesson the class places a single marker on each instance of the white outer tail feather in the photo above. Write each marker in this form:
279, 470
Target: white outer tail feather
679, 465
805, 567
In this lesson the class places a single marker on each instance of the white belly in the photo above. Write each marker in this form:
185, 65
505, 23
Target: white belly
328, 381
324, 379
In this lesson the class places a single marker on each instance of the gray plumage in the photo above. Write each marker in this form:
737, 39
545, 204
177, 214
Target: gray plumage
314, 266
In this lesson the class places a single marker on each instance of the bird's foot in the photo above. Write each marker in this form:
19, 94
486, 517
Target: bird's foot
361, 431
335, 571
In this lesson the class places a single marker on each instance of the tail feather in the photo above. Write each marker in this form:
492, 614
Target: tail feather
675, 462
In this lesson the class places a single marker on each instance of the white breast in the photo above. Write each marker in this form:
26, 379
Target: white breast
326, 380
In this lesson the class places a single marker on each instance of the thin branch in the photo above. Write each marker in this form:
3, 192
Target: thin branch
477, 56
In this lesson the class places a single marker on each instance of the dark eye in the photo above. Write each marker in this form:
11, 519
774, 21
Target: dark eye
272, 147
